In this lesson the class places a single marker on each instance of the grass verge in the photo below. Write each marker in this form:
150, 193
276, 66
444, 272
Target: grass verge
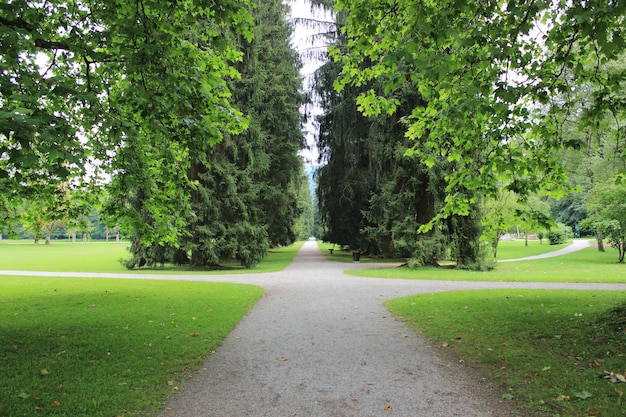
79, 347
551, 353
63, 256
587, 265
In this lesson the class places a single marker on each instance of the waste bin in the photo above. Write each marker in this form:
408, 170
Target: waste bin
356, 256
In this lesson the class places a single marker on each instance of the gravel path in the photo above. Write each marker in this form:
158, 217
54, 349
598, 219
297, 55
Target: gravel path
574, 247
321, 344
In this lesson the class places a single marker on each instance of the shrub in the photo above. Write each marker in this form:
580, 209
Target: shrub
560, 234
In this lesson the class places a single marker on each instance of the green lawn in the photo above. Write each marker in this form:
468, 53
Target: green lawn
547, 351
64, 256
587, 265
105, 347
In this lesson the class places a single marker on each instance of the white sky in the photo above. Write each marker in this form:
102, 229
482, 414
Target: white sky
302, 41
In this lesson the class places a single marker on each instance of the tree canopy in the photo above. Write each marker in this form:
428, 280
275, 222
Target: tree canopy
498, 81
115, 87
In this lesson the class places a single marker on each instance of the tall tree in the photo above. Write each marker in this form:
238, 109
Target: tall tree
371, 197
343, 181
241, 193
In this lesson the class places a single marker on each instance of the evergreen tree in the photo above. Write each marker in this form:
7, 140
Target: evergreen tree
243, 191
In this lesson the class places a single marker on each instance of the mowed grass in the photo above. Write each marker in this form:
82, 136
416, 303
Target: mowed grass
547, 351
64, 256
107, 347
585, 266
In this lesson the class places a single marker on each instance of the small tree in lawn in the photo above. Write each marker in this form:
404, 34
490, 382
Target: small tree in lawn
608, 205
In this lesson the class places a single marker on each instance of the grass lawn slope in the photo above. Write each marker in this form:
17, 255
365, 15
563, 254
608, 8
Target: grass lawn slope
107, 347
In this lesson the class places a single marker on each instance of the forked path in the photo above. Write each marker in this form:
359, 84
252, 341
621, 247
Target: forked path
320, 343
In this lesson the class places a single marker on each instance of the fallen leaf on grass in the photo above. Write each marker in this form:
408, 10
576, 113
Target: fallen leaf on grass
614, 378
194, 334
23, 395
44, 372
583, 395
56, 403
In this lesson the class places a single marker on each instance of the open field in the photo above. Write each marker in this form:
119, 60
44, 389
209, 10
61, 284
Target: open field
548, 352
106, 347
64, 256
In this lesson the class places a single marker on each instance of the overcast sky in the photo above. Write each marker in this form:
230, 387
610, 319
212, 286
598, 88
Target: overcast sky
303, 41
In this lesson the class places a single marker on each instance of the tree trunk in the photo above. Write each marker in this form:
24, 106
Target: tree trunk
466, 231
48, 237
526, 238
600, 240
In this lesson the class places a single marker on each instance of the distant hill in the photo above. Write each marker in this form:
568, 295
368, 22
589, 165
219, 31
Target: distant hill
310, 171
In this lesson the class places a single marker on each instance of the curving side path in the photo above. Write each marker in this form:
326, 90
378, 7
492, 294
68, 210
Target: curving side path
574, 247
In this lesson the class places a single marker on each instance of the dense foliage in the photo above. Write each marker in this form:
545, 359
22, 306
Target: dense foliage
243, 191
498, 90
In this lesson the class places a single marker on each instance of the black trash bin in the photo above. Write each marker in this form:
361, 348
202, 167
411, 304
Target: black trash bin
356, 256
